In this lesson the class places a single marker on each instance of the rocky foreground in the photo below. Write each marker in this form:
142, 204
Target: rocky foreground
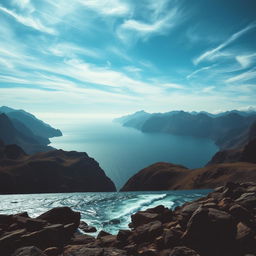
221, 224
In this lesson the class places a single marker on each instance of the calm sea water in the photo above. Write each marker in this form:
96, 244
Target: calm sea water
108, 211
122, 151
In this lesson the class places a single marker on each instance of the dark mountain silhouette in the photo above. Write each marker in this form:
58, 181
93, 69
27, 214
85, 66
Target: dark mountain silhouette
222, 128
37, 126
14, 132
50, 172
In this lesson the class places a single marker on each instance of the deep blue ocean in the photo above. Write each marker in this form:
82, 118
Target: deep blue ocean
122, 151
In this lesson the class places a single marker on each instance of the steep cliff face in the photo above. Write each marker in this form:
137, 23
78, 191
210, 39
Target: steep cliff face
165, 176
14, 132
244, 148
159, 176
35, 125
48, 172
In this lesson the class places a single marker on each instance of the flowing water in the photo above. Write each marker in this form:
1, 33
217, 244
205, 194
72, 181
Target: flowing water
108, 211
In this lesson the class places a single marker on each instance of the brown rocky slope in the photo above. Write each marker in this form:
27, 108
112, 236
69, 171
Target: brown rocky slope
54, 171
221, 224
166, 176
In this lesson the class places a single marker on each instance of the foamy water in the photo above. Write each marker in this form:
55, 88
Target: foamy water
108, 211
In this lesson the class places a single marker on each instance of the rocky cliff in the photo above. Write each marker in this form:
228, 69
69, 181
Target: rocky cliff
166, 176
14, 132
243, 148
50, 172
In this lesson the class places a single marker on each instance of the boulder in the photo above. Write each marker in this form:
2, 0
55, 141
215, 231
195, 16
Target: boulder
50, 236
211, 232
30, 224
247, 200
123, 235
61, 215
81, 239
28, 251
80, 250
103, 233
183, 251
52, 251
172, 237
143, 217
147, 232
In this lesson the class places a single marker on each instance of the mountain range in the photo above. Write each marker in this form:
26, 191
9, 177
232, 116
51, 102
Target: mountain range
235, 164
24, 129
222, 128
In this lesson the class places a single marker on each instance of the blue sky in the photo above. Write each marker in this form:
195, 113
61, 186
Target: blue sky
100, 57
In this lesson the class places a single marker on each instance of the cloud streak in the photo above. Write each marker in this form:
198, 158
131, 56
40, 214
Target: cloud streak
31, 22
210, 54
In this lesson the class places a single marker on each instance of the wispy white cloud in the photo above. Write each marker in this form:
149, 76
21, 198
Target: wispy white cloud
246, 60
199, 70
158, 22
71, 50
208, 89
107, 7
28, 21
210, 54
245, 76
173, 85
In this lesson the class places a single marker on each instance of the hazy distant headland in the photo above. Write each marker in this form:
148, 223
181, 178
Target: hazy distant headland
223, 128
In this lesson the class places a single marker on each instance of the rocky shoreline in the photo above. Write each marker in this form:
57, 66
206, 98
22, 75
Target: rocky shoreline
221, 224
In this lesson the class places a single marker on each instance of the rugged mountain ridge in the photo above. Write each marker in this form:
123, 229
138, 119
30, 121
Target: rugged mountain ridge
55, 171
36, 126
221, 128
244, 148
15, 132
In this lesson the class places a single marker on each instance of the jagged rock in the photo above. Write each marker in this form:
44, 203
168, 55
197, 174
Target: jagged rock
147, 252
29, 223
103, 233
61, 215
141, 218
28, 251
247, 200
10, 241
88, 229
80, 250
243, 232
107, 241
148, 231
84, 251
123, 235
52, 251
211, 232
172, 237
81, 239
240, 213
183, 251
